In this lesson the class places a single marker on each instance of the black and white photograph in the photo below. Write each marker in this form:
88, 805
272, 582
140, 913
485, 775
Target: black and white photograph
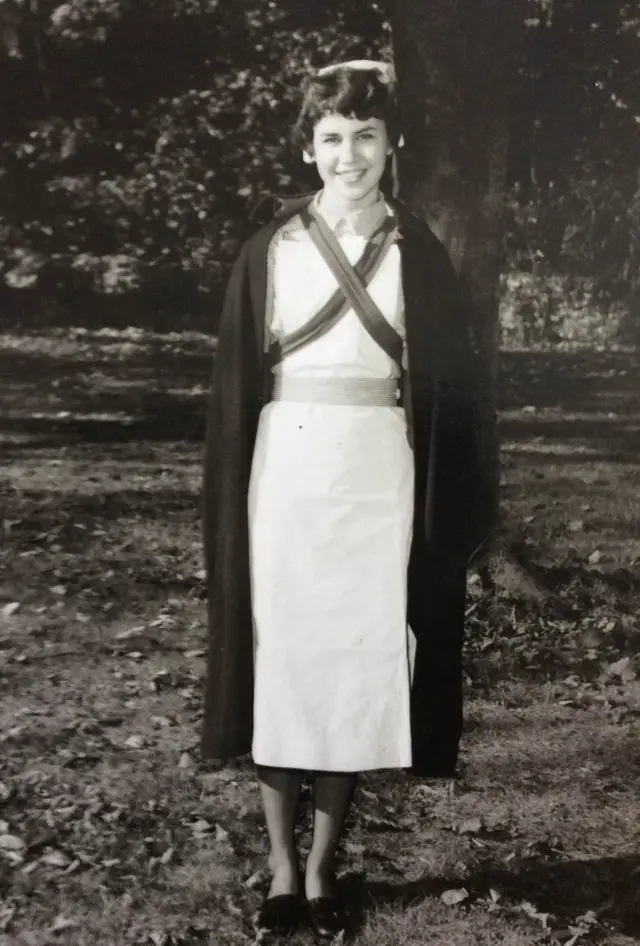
319, 472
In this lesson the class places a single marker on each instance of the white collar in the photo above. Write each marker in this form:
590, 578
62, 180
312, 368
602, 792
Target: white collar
362, 222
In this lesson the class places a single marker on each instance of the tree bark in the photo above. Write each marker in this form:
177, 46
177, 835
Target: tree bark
456, 62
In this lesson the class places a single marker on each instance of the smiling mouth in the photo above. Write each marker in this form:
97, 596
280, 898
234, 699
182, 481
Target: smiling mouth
352, 177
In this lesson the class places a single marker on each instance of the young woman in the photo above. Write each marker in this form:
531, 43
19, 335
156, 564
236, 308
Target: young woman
342, 487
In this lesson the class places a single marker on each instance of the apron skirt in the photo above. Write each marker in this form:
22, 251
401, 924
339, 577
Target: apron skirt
330, 517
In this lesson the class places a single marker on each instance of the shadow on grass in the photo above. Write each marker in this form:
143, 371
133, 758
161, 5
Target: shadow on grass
584, 401
168, 420
581, 441
64, 511
549, 578
122, 391
90, 387
570, 381
566, 890
622, 580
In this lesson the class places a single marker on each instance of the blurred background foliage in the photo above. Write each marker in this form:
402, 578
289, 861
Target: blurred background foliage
136, 135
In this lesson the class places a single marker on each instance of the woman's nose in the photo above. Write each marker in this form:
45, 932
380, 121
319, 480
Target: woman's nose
347, 150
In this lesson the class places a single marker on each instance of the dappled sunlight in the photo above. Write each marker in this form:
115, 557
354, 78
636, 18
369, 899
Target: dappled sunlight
581, 381
102, 648
72, 342
107, 385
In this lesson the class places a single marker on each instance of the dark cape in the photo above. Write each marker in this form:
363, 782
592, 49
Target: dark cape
453, 491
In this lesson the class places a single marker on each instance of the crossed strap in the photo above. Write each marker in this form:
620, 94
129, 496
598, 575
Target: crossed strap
352, 292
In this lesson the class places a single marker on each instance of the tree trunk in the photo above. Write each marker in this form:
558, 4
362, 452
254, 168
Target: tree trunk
457, 65
456, 62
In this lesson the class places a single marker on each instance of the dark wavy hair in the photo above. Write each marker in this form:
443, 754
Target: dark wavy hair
354, 93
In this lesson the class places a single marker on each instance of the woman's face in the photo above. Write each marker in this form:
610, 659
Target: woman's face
350, 155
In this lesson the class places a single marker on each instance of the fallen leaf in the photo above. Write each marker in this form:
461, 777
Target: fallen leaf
470, 826
201, 827
531, 911
355, 849
162, 722
221, 833
10, 609
495, 896
577, 525
622, 669
135, 742
256, 879
194, 653
595, 557
368, 794
232, 906
6, 916
130, 632
590, 918
11, 842
62, 923
186, 762
168, 854
577, 934
462, 870
55, 859
378, 823
111, 816
15, 858
453, 897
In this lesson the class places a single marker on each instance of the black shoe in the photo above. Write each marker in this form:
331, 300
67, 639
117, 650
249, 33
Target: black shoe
326, 917
279, 915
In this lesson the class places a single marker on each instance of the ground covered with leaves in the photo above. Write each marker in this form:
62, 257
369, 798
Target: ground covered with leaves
113, 832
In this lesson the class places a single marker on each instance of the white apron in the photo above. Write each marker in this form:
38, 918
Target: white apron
330, 521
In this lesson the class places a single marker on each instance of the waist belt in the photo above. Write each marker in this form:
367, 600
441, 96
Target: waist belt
365, 392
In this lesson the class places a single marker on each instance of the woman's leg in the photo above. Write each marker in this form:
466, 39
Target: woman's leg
333, 794
280, 790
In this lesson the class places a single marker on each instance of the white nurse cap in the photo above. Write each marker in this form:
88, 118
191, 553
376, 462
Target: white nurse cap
386, 70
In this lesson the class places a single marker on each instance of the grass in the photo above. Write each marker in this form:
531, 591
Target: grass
120, 834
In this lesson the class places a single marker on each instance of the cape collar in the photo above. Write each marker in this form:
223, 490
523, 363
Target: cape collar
274, 209
363, 223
